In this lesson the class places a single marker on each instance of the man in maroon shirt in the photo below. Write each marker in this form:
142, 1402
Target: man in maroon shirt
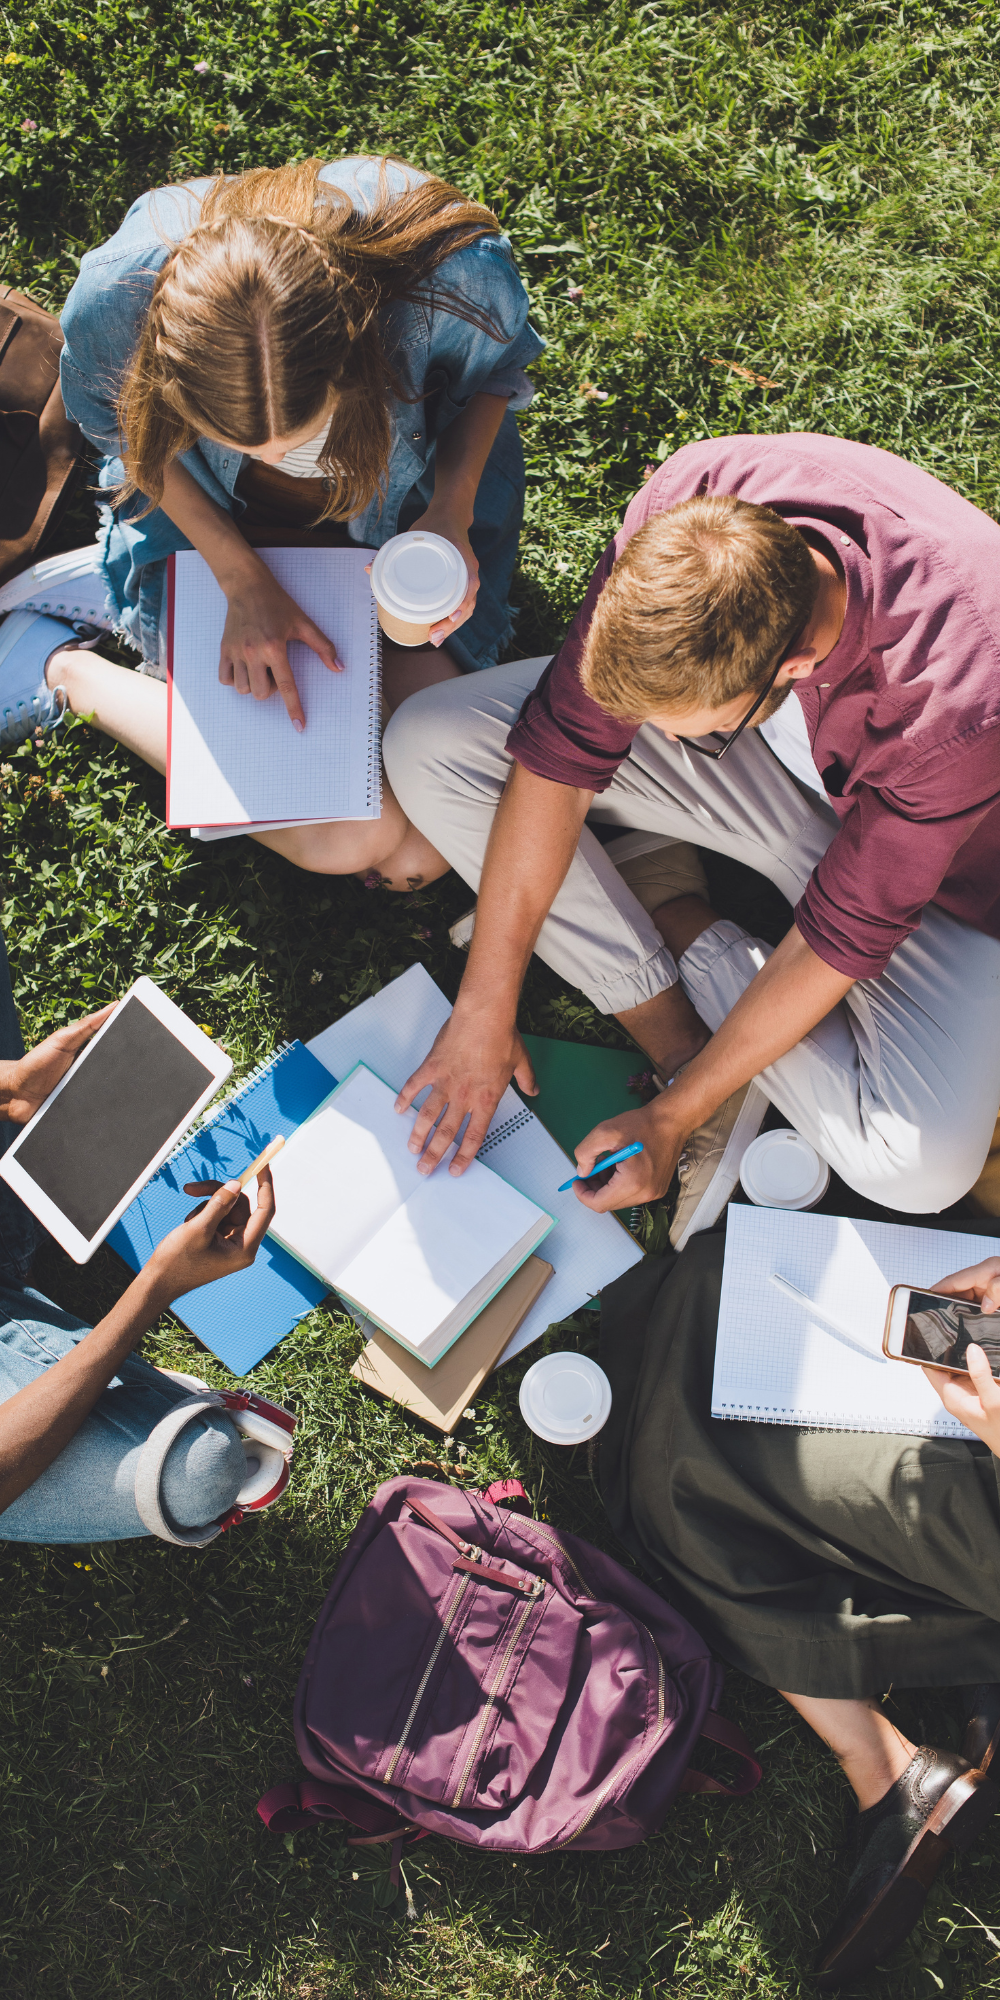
863, 637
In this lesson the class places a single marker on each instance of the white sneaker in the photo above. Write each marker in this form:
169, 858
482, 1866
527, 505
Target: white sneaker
709, 1166
66, 586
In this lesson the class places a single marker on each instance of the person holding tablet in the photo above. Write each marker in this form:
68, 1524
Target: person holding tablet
76, 1404
332, 351
830, 1565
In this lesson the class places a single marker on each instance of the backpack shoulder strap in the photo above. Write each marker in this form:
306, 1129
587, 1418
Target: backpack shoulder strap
718, 1729
286, 1807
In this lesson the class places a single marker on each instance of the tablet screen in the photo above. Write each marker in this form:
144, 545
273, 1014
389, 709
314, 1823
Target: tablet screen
113, 1116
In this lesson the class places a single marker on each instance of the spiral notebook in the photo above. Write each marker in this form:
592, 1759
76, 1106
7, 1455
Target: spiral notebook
242, 1316
420, 1254
776, 1364
392, 1032
234, 762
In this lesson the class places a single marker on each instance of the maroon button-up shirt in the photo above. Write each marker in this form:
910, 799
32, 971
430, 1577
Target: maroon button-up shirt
906, 735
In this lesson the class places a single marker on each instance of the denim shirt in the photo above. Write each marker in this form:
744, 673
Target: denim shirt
437, 356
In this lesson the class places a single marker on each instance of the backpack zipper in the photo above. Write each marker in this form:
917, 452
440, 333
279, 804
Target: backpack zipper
637, 1756
548, 1536
490, 1703
446, 1624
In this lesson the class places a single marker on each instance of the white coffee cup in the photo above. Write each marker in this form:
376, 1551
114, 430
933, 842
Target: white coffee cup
417, 579
782, 1170
565, 1398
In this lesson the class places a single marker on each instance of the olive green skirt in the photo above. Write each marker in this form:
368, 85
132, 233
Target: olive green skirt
829, 1563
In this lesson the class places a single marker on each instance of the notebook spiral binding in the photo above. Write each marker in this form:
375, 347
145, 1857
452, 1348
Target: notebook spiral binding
224, 1104
514, 1123
375, 717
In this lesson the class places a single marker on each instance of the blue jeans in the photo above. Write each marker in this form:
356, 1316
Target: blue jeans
87, 1494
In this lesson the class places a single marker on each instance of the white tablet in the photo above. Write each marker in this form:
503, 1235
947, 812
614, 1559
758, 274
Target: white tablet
129, 1096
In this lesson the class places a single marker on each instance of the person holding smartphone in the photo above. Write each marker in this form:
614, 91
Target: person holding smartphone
834, 1567
77, 1405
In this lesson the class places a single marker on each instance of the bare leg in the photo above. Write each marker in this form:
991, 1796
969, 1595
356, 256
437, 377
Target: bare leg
388, 847
667, 1026
871, 1751
132, 708
407, 669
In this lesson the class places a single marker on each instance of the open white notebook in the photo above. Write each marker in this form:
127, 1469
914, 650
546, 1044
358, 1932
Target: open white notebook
777, 1364
392, 1032
421, 1255
233, 761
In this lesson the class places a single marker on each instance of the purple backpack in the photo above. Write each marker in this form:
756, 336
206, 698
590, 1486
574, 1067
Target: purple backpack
476, 1674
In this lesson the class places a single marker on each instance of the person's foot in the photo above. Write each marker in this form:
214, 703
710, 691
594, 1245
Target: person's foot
935, 1808
981, 1743
27, 642
661, 872
709, 1166
64, 586
658, 874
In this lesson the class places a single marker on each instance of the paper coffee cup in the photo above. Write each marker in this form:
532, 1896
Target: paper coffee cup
782, 1170
565, 1398
417, 579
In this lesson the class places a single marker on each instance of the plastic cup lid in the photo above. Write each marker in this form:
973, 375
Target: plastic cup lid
565, 1398
782, 1170
419, 577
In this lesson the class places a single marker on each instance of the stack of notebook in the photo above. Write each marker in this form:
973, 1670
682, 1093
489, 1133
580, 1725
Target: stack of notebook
241, 1318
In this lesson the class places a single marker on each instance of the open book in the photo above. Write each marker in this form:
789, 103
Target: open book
233, 762
420, 1255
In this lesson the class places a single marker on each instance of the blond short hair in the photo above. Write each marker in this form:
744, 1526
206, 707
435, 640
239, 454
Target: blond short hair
699, 608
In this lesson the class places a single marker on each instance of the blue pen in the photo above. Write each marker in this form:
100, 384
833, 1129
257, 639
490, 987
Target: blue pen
613, 1160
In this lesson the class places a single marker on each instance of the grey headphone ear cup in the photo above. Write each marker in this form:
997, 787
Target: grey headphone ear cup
149, 1472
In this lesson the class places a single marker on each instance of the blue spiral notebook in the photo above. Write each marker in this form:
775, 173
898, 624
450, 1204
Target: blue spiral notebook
243, 1316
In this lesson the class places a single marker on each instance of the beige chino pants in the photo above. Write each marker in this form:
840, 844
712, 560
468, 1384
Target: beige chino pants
897, 1088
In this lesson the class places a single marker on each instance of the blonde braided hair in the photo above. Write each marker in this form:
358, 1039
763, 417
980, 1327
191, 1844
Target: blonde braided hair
255, 333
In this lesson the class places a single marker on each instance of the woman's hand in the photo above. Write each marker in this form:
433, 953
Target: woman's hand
26, 1083
973, 1398
980, 1284
261, 622
219, 1236
441, 520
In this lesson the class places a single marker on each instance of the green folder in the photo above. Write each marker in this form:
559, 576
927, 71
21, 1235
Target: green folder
579, 1087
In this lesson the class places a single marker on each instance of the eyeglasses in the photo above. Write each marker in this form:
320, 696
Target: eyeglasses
691, 742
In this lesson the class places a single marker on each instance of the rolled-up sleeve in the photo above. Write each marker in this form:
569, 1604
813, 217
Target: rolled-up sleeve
491, 357
884, 866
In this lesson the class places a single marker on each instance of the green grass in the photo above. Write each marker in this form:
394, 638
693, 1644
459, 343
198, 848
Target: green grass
809, 192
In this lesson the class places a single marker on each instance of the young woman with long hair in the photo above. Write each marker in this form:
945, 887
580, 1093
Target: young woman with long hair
316, 352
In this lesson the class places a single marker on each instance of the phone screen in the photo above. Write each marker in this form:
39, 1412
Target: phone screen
119, 1107
940, 1330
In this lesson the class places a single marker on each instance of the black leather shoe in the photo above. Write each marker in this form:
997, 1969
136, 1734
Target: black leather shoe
982, 1730
938, 1805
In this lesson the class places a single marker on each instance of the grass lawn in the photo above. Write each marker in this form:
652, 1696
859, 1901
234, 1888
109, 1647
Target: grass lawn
781, 217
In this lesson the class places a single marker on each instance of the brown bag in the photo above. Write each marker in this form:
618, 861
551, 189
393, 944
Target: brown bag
40, 449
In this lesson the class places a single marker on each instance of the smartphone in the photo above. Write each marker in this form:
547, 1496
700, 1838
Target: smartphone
934, 1332
130, 1095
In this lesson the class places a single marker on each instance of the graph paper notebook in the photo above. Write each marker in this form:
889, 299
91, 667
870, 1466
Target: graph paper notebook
419, 1254
392, 1032
233, 761
776, 1364
240, 1317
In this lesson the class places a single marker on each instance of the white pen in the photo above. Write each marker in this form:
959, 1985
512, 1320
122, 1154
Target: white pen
821, 1313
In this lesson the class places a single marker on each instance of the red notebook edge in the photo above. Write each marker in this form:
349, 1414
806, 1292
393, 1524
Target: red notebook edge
171, 587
